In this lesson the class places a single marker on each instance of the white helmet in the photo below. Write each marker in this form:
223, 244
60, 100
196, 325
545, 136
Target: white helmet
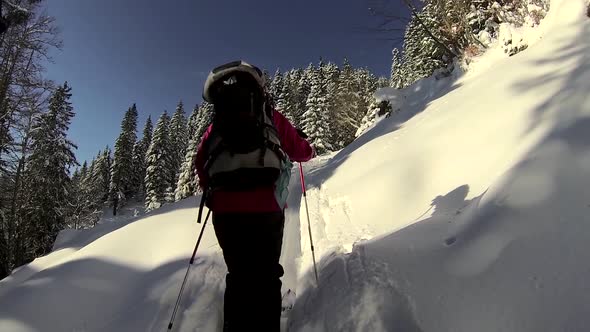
223, 71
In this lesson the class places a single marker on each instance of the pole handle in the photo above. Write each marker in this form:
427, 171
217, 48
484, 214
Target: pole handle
202, 205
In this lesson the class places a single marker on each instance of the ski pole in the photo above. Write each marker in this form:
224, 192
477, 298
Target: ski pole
315, 269
192, 258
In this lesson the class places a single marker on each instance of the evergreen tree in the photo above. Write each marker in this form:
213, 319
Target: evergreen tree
76, 175
83, 192
101, 177
397, 79
76, 207
382, 82
300, 91
139, 158
92, 190
291, 96
284, 101
276, 86
47, 178
193, 121
122, 176
88, 180
187, 182
92, 205
206, 112
366, 85
303, 90
83, 171
331, 76
284, 95
91, 209
423, 54
315, 119
267, 80
347, 103
178, 142
158, 160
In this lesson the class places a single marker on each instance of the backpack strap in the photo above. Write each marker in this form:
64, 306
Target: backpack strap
276, 149
262, 154
216, 145
262, 119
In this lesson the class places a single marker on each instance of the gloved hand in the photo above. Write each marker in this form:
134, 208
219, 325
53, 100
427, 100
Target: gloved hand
314, 152
301, 133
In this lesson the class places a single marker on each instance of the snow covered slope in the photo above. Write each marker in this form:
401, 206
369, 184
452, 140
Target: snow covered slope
466, 211
127, 279
497, 170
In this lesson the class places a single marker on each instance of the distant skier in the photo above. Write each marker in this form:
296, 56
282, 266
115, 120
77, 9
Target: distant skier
244, 163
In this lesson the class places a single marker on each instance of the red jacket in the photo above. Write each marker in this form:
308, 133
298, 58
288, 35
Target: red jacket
261, 199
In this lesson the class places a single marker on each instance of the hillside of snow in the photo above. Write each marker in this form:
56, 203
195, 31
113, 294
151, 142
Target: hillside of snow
468, 210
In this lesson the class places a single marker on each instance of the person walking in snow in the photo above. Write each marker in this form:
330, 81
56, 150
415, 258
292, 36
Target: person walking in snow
243, 164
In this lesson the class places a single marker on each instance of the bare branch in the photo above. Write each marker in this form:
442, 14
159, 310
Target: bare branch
417, 16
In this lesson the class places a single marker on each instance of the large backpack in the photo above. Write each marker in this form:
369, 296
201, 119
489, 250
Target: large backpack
244, 147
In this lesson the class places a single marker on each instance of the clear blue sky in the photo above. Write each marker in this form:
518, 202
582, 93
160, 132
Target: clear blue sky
155, 53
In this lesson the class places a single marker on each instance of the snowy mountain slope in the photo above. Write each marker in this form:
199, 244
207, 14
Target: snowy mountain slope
466, 211
125, 280
503, 163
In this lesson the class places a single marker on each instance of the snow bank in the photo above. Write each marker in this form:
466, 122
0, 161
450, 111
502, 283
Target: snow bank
486, 192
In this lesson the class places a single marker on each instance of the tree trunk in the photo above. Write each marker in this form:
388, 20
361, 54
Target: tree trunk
4, 254
4, 85
115, 203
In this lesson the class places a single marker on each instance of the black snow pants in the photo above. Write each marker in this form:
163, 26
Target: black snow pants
251, 244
